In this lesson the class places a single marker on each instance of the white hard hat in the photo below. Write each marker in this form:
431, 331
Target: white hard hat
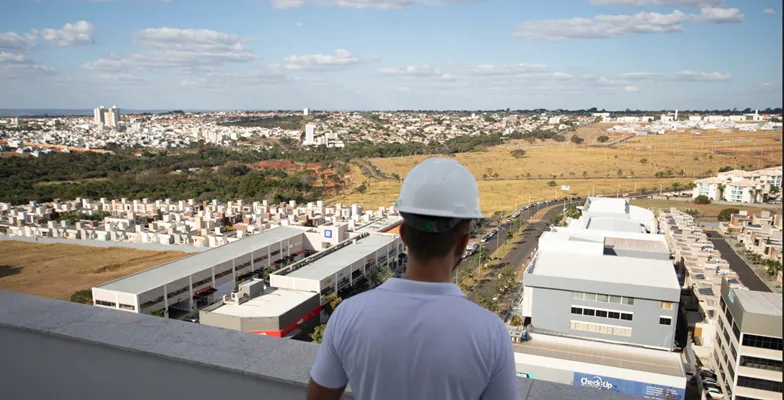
440, 187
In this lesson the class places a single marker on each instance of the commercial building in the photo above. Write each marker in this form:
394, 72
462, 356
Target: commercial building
748, 348
614, 215
347, 265
612, 288
183, 283
262, 310
645, 373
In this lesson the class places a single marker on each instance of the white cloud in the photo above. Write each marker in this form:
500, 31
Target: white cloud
613, 26
339, 59
694, 76
636, 76
717, 15
299, 24
79, 33
768, 11
15, 41
516, 69
631, 89
769, 86
126, 78
663, 3
411, 71
380, 4
184, 50
16, 65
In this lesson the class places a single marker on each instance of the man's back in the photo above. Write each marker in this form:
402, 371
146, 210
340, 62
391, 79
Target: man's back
416, 340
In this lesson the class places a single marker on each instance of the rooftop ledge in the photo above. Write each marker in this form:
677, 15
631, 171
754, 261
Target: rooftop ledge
57, 349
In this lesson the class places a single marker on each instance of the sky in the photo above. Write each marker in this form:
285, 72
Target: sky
391, 54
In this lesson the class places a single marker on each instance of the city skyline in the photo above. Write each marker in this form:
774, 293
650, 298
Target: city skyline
392, 54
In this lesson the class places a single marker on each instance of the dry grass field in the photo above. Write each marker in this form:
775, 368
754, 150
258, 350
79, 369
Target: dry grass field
59, 270
708, 212
504, 180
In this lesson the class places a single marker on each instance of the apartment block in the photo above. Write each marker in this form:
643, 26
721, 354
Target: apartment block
748, 350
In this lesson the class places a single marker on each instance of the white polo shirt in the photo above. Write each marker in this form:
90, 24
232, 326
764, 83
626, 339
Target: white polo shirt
416, 340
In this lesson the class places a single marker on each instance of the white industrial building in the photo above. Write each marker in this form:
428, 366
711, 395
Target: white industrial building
180, 283
347, 264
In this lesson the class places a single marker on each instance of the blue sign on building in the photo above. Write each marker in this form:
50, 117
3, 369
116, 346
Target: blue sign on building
327, 233
639, 389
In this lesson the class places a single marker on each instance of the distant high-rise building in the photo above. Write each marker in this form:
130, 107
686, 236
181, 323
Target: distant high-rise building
306, 111
112, 116
310, 132
98, 113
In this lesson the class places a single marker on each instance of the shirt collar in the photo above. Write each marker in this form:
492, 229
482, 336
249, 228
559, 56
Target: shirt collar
431, 288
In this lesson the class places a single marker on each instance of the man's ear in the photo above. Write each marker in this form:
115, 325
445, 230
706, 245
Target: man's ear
461, 244
402, 233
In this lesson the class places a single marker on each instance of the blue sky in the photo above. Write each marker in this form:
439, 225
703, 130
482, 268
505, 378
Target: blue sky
391, 54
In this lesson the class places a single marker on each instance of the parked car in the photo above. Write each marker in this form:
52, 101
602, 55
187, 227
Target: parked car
714, 394
193, 318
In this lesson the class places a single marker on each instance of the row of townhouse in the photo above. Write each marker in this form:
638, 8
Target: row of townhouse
738, 186
700, 270
184, 222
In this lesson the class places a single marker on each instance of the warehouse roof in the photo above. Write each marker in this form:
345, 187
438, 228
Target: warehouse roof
273, 303
759, 302
607, 268
332, 263
152, 278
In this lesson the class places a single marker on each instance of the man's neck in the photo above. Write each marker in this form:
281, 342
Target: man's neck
430, 271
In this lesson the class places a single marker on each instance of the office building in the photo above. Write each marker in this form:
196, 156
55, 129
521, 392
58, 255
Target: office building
608, 286
748, 348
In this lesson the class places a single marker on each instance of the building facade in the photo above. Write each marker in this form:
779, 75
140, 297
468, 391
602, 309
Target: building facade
748, 346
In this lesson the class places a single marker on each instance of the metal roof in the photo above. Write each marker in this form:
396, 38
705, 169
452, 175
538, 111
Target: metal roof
606, 268
152, 278
759, 302
332, 263
637, 244
611, 355
273, 303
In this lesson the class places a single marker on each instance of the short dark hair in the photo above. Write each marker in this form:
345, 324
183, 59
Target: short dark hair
429, 245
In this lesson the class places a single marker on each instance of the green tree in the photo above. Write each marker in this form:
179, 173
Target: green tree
576, 139
603, 139
701, 199
643, 161
551, 183
318, 333
509, 236
332, 303
585, 174
83, 296
516, 321
726, 214
518, 153
619, 172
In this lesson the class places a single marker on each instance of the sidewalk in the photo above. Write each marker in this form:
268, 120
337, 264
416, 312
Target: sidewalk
756, 268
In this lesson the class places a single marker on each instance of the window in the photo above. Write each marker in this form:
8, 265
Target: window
602, 298
628, 301
729, 316
613, 315
666, 305
734, 352
601, 313
723, 304
616, 299
577, 295
599, 328
665, 321
761, 384
589, 311
736, 331
127, 307
760, 363
762, 342
577, 310
626, 316
105, 303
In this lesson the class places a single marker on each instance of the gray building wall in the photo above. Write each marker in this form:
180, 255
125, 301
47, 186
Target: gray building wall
551, 312
606, 287
256, 324
755, 324
621, 252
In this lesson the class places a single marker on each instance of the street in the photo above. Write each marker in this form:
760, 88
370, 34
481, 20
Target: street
746, 275
522, 248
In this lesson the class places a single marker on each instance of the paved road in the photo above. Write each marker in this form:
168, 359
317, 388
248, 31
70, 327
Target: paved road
745, 273
525, 246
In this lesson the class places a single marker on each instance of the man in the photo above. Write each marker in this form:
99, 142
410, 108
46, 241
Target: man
419, 337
